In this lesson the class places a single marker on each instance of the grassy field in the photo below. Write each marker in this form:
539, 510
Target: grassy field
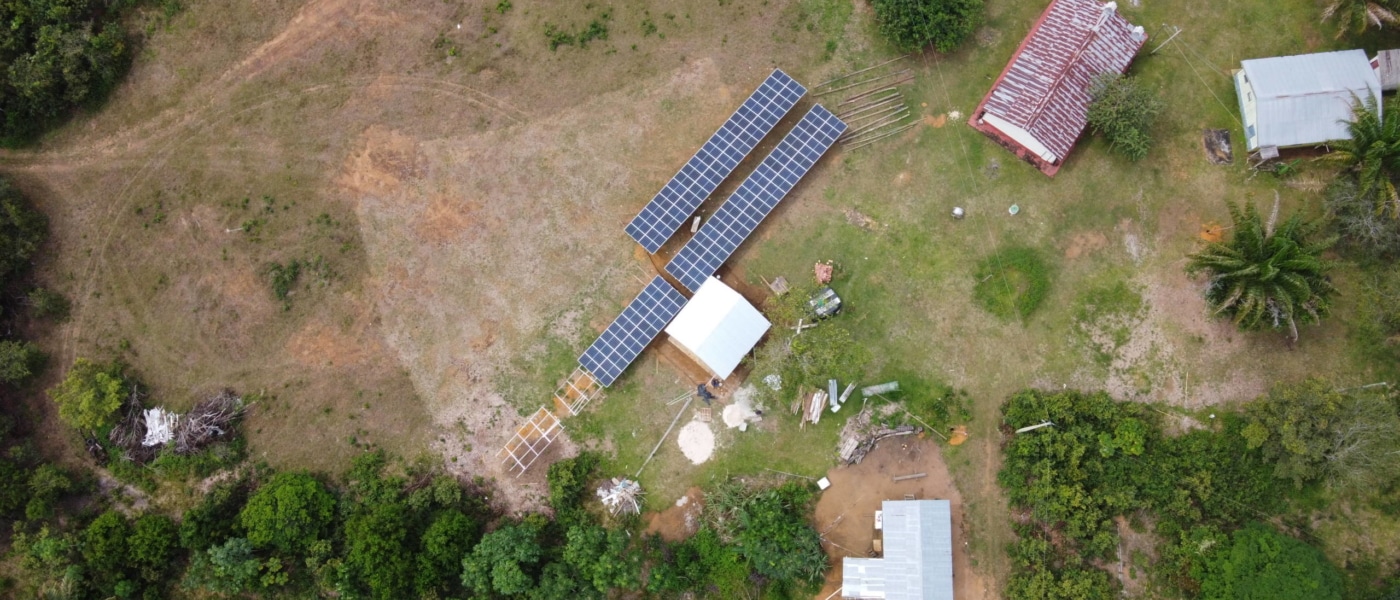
460, 190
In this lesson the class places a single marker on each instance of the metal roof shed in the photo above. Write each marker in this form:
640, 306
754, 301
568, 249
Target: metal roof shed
717, 328
918, 560
1302, 100
1039, 105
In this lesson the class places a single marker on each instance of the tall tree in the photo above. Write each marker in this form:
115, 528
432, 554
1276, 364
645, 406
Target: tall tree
288, 513
1267, 277
1372, 153
1311, 431
90, 395
1357, 15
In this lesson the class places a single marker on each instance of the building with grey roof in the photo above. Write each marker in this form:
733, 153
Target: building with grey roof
1303, 100
918, 558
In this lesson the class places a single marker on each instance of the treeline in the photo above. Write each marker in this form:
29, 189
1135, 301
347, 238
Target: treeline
1211, 495
387, 530
56, 56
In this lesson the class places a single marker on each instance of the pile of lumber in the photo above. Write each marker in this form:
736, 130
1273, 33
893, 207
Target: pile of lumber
860, 436
812, 407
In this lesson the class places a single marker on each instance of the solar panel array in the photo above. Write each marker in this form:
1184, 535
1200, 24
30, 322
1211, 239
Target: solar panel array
638, 324
756, 197
715, 161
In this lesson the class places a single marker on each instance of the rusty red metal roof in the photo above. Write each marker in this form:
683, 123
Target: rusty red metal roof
1045, 88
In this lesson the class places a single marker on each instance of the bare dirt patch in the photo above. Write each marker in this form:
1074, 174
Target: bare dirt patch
845, 512
681, 520
1085, 243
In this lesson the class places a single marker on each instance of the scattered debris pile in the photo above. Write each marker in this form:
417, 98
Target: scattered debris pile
860, 435
621, 495
142, 433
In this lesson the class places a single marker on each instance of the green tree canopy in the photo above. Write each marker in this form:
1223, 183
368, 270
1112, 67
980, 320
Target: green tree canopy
1359, 15
1123, 110
448, 539
22, 228
1263, 564
504, 561
152, 546
89, 397
1267, 277
59, 54
376, 552
913, 24
777, 539
1311, 431
19, 360
227, 568
288, 513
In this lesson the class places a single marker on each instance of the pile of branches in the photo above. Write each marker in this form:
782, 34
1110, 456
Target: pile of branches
210, 420
130, 430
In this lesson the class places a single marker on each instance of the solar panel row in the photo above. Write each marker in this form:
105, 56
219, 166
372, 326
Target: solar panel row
638, 324
715, 160
756, 197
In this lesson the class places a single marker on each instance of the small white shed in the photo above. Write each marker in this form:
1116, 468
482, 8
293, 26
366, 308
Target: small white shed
717, 328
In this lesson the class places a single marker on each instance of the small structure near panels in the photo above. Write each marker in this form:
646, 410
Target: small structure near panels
1039, 105
530, 441
717, 328
1386, 64
576, 392
1303, 100
918, 555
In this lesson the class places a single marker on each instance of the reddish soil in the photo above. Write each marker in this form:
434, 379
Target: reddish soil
680, 521
845, 514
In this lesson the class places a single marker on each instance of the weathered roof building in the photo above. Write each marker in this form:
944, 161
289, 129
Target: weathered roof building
1303, 100
918, 559
1039, 105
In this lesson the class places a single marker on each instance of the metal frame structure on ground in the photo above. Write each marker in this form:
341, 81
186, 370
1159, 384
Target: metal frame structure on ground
531, 440
576, 392
715, 160
756, 197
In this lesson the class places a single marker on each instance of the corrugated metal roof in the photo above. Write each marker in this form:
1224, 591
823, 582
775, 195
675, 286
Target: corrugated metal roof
1045, 87
1307, 99
918, 560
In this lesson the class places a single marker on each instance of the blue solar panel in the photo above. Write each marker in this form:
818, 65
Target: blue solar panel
715, 160
756, 197
638, 324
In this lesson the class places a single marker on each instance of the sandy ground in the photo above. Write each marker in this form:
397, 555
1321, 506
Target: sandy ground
681, 520
697, 441
845, 513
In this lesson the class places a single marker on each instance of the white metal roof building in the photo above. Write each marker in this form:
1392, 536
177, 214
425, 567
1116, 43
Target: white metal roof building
1303, 100
717, 327
918, 559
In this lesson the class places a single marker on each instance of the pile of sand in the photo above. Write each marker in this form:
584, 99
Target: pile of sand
697, 441
742, 408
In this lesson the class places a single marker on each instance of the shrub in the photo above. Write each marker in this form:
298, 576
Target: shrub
1012, 282
89, 397
1123, 111
48, 304
912, 24
1357, 223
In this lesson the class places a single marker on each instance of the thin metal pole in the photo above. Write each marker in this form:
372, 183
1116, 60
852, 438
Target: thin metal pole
1169, 40
869, 105
860, 83
664, 436
870, 141
854, 73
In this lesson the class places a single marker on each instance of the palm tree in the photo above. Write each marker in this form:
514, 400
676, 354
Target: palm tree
1267, 278
1372, 153
1357, 15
